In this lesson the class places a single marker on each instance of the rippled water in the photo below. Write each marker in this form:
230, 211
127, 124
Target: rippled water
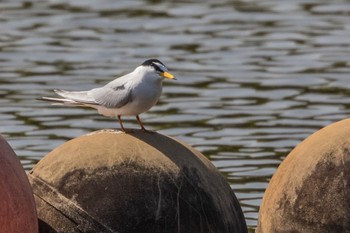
254, 77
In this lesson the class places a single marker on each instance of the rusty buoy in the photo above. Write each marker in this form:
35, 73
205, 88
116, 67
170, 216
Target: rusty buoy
17, 206
310, 191
109, 181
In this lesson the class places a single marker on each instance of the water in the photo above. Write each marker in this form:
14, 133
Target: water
254, 77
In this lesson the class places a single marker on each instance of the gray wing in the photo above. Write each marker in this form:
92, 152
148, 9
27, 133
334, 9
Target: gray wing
83, 97
112, 96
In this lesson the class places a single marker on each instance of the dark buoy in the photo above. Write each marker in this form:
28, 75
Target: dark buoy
310, 191
17, 206
110, 181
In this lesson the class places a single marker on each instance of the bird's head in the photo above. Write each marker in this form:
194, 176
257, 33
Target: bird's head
156, 68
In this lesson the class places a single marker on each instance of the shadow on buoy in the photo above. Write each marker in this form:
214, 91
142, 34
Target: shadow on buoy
17, 206
310, 191
109, 181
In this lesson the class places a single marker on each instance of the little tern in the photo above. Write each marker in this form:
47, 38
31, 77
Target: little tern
128, 95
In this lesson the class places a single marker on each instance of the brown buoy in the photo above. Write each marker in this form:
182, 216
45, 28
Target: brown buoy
110, 181
17, 206
310, 191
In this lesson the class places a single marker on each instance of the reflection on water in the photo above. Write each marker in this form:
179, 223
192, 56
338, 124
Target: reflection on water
254, 77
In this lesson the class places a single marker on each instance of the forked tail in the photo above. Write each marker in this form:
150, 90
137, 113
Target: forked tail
60, 101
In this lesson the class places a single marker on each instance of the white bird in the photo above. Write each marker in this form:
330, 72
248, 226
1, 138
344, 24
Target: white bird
129, 95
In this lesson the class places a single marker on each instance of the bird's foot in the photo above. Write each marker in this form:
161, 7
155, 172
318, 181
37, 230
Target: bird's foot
146, 130
127, 130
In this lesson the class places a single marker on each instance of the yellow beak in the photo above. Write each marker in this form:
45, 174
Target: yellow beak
168, 75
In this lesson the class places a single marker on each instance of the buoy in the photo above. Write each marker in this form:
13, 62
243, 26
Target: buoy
109, 181
17, 206
310, 191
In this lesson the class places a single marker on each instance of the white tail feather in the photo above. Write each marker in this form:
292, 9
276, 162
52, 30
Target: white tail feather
60, 101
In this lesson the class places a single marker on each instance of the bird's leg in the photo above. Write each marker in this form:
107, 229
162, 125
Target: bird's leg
121, 123
140, 123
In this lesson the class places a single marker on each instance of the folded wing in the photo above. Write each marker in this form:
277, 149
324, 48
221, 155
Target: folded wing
109, 96
112, 96
83, 97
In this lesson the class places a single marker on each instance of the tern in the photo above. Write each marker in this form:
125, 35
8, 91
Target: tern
128, 95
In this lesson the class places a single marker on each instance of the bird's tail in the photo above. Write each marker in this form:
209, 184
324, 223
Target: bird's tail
60, 101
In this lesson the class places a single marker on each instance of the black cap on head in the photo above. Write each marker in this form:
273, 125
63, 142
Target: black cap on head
155, 64
150, 62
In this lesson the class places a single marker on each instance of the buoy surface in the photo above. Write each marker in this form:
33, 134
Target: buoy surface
17, 206
310, 191
109, 181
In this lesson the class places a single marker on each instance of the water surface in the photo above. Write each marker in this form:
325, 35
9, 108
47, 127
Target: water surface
254, 77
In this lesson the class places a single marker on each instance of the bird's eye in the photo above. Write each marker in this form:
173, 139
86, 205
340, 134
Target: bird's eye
157, 68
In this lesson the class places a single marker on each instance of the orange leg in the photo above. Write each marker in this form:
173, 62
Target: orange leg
121, 123
140, 123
